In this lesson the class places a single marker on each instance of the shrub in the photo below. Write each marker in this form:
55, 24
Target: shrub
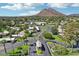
54, 31
20, 39
27, 34
48, 35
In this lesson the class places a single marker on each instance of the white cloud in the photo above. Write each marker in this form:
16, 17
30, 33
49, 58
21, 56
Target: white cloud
18, 6
75, 5
63, 5
13, 7
29, 13
58, 5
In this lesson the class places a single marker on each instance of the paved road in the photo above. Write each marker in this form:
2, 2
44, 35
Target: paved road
33, 40
9, 47
54, 41
46, 52
32, 50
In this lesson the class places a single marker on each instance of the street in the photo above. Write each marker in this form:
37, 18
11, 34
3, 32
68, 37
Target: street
9, 46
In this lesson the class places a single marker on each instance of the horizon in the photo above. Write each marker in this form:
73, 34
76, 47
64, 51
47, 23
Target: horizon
29, 9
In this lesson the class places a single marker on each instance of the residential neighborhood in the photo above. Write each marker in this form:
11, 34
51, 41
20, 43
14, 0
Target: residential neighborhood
48, 33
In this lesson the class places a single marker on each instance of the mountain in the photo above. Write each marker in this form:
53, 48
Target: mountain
49, 12
73, 15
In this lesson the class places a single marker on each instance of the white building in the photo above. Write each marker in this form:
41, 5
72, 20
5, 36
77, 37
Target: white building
14, 35
7, 39
61, 28
38, 44
6, 32
31, 28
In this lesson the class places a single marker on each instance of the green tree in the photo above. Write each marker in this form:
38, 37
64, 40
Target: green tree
71, 31
47, 35
54, 30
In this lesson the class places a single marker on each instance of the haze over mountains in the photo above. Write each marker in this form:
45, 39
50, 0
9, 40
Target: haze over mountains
74, 15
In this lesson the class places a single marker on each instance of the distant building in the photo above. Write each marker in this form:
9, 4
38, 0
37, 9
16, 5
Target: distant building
7, 39
31, 28
60, 30
37, 28
14, 35
40, 23
4, 32
15, 28
31, 23
21, 34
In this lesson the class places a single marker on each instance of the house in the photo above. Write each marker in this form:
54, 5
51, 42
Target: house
7, 39
31, 28
21, 34
6, 32
15, 28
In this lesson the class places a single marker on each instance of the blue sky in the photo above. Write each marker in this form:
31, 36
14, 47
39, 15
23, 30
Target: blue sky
26, 9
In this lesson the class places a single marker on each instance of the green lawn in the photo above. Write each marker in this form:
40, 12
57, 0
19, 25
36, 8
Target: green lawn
39, 51
49, 42
57, 38
22, 50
